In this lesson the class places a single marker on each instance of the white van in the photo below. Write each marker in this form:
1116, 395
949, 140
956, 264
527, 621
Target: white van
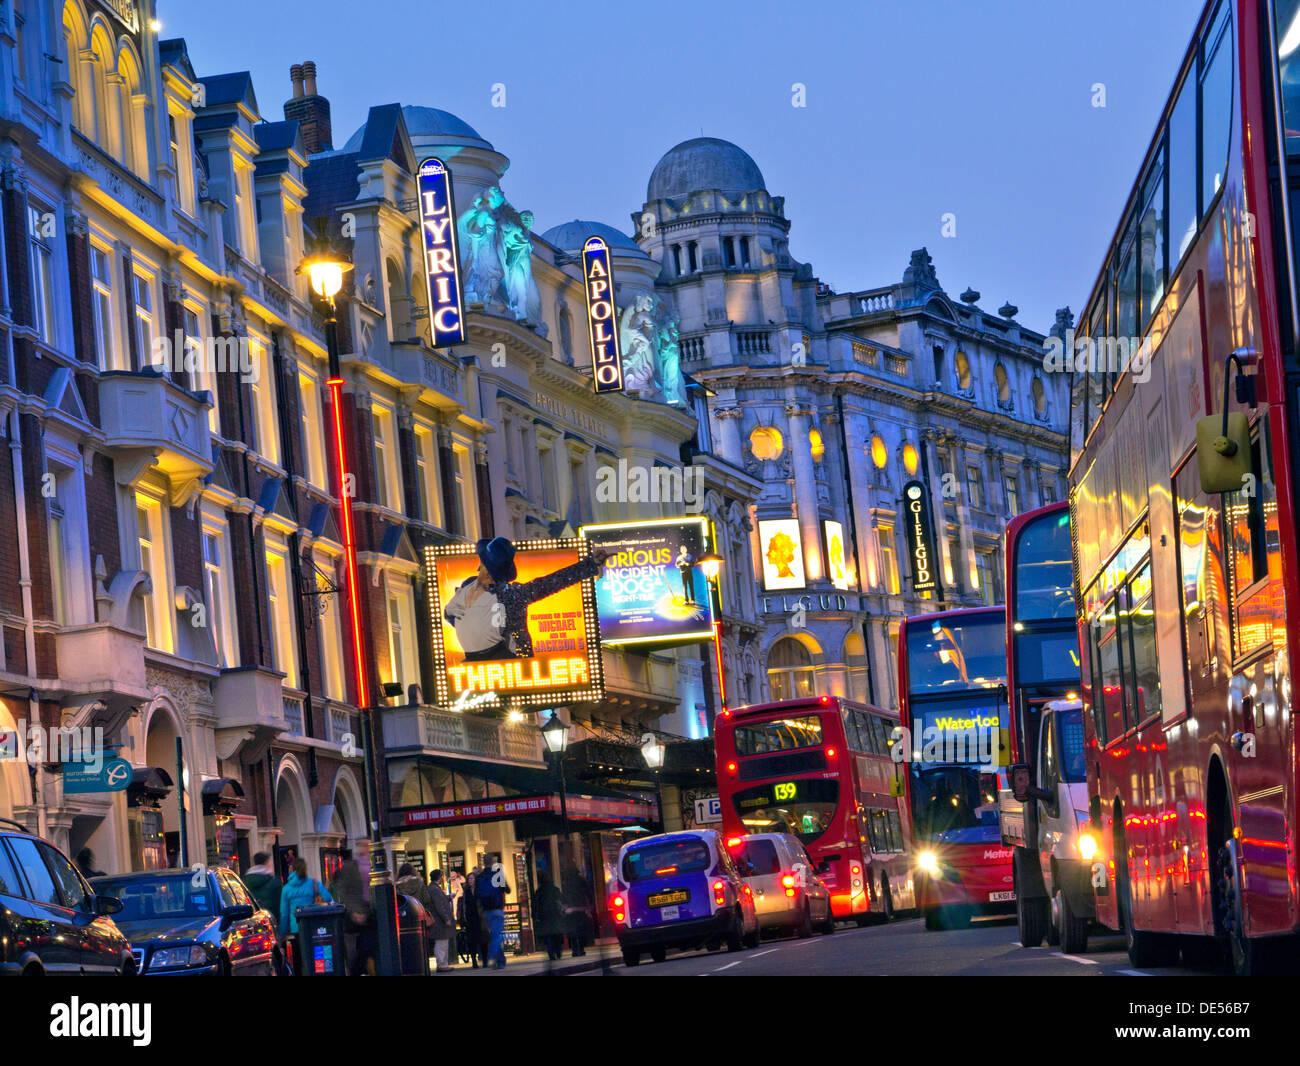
1055, 848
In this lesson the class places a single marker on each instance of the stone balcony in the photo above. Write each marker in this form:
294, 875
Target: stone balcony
640, 682
408, 730
414, 363
148, 420
250, 708
102, 661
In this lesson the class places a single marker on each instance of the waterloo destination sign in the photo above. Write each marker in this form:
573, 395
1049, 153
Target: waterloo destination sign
598, 280
441, 256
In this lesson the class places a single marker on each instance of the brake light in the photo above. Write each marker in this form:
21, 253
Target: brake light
719, 893
788, 881
731, 768
734, 842
830, 753
855, 873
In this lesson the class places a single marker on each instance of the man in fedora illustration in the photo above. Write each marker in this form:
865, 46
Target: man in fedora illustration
490, 610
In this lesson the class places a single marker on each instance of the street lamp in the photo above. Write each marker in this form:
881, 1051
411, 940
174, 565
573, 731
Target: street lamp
711, 565
556, 736
653, 751
325, 268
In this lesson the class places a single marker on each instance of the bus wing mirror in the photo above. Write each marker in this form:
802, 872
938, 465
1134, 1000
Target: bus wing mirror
1223, 458
1019, 775
1004, 748
895, 786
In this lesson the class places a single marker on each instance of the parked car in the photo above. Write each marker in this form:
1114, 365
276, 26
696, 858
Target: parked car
788, 894
51, 920
187, 923
680, 890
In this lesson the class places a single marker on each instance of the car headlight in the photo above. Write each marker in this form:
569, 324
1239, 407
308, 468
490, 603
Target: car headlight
180, 957
928, 861
1087, 845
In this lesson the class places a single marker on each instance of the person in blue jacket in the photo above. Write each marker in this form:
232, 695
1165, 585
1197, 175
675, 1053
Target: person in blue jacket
299, 891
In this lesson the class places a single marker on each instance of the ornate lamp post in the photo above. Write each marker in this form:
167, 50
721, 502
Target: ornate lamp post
711, 565
653, 751
325, 268
556, 735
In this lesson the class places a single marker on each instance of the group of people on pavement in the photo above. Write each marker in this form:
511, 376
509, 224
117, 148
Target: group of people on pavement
470, 912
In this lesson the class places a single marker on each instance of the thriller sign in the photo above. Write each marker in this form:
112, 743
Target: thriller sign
441, 256
920, 539
598, 277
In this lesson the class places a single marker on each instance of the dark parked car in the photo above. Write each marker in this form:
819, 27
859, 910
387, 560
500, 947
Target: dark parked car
51, 920
201, 922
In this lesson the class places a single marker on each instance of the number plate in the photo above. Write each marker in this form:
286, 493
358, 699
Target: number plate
667, 898
670, 914
1002, 897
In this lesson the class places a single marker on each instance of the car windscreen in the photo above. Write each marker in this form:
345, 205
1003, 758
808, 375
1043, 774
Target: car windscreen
757, 858
951, 806
665, 858
956, 652
165, 896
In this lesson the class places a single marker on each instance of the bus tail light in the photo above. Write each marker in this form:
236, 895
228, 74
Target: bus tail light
855, 876
830, 753
731, 769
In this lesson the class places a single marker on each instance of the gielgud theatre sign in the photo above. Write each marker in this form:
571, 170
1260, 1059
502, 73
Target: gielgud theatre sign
514, 622
920, 538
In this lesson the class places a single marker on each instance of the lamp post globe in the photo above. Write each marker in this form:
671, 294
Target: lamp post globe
711, 564
556, 735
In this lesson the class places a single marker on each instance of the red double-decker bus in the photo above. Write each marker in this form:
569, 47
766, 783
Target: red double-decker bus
1183, 495
952, 668
820, 768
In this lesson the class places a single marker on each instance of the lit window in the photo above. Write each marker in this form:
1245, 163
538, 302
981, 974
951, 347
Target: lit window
145, 323
41, 232
264, 401
815, 444
974, 487
790, 671
766, 442
313, 442
388, 487
277, 590
426, 471
153, 561
888, 558
466, 497
101, 305
331, 638
879, 452
964, 377
216, 574
401, 631
1012, 489
911, 457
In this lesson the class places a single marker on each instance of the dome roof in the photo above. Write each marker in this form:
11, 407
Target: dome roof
703, 163
570, 236
428, 125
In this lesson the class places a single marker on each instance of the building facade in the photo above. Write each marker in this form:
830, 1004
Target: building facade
835, 401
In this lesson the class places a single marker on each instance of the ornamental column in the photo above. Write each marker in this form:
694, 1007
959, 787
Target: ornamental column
805, 486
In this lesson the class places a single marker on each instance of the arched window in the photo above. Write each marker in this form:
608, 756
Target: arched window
855, 663
965, 379
879, 451
135, 143
816, 444
75, 37
399, 302
767, 443
790, 672
1003, 384
1040, 399
566, 335
108, 107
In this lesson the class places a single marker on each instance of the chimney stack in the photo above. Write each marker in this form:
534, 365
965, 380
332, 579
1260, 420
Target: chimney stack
310, 110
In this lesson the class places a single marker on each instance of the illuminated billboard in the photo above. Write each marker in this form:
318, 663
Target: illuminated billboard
781, 546
837, 567
602, 320
651, 589
920, 538
441, 256
520, 629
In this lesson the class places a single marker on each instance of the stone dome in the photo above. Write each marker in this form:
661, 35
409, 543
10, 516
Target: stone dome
570, 236
429, 126
703, 163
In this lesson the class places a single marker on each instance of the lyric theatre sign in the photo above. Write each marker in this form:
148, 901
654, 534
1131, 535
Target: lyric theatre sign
441, 256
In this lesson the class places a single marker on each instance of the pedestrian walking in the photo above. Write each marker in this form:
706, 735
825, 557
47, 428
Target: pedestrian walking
361, 935
471, 923
491, 889
578, 905
86, 863
549, 919
263, 884
301, 890
444, 921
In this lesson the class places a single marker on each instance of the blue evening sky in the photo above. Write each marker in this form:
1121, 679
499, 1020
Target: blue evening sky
915, 108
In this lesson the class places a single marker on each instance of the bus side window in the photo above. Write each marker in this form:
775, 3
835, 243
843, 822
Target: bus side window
1254, 554
855, 741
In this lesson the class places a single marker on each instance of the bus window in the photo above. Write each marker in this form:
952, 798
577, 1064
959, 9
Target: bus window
953, 654
784, 734
1112, 684
1044, 581
1151, 242
804, 807
1144, 668
1288, 26
1216, 106
852, 735
881, 731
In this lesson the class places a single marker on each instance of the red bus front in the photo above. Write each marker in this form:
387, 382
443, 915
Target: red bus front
789, 767
952, 674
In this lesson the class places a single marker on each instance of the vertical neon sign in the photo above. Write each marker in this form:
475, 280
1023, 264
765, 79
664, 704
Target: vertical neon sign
335, 385
598, 281
441, 254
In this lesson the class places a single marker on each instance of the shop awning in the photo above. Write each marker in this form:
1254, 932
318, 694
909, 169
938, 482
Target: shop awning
149, 785
538, 793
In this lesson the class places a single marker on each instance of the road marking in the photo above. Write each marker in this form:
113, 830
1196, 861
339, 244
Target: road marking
767, 952
728, 966
1080, 958
1136, 973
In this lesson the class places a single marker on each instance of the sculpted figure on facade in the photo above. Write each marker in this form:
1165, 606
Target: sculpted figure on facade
650, 341
522, 297
497, 256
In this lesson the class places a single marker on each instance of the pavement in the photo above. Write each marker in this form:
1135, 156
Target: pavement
600, 956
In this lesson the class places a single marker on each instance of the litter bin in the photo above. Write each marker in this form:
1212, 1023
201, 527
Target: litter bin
320, 940
412, 935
